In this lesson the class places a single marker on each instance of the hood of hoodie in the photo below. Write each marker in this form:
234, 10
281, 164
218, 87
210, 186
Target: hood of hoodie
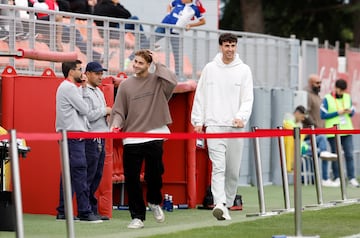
235, 62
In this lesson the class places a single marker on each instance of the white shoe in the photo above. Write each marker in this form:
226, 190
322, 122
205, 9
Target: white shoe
326, 155
136, 224
329, 183
226, 214
158, 213
353, 182
337, 182
221, 212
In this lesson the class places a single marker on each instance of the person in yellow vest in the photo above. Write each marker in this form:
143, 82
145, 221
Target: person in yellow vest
299, 118
337, 109
3, 131
7, 169
292, 120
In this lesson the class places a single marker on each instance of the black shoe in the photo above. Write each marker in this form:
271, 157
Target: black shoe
90, 218
101, 217
61, 217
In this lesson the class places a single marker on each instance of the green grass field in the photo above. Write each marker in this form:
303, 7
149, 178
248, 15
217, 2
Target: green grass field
340, 220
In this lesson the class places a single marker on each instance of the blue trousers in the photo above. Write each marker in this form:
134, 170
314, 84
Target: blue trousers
348, 147
95, 157
78, 172
133, 156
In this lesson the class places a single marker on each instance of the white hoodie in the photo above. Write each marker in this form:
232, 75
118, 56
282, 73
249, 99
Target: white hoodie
224, 93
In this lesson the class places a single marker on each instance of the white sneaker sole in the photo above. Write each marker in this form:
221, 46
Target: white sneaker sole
92, 222
135, 227
159, 220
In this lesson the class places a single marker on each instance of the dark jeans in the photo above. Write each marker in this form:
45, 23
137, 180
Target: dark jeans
133, 157
95, 156
321, 144
78, 172
348, 147
175, 45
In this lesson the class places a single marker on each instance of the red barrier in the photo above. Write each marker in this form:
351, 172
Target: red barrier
28, 104
53, 56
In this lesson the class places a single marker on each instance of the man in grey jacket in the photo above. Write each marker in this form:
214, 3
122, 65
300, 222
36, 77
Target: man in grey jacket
95, 147
71, 112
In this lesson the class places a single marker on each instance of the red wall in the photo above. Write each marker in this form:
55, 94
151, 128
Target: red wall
28, 105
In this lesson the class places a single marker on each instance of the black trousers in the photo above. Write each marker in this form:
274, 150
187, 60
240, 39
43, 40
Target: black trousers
134, 154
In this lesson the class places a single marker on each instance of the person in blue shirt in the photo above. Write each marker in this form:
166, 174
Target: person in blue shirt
181, 14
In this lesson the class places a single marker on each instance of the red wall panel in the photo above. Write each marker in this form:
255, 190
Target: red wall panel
28, 105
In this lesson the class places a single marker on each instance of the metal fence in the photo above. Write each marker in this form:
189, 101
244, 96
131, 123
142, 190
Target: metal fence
274, 60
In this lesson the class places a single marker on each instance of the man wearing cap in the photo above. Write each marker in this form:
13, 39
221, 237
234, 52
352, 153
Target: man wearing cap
97, 117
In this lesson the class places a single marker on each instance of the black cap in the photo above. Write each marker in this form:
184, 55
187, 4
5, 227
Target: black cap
301, 109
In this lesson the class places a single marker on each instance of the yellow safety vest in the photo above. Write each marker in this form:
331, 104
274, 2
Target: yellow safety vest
334, 105
289, 145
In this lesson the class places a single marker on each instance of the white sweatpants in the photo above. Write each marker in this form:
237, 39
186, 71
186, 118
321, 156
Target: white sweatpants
225, 155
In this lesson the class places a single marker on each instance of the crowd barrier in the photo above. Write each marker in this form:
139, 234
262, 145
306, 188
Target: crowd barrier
255, 135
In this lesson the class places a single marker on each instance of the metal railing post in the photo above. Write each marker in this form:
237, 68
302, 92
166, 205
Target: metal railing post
284, 175
259, 180
66, 181
297, 181
316, 167
339, 153
298, 185
14, 155
320, 202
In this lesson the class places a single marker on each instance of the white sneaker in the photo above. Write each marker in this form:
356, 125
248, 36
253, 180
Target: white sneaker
221, 212
337, 182
353, 182
136, 224
226, 214
329, 183
326, 155
158, 213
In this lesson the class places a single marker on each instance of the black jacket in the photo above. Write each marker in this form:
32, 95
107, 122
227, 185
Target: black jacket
109, 9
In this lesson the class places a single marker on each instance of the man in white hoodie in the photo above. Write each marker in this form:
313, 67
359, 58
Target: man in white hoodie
223, 104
